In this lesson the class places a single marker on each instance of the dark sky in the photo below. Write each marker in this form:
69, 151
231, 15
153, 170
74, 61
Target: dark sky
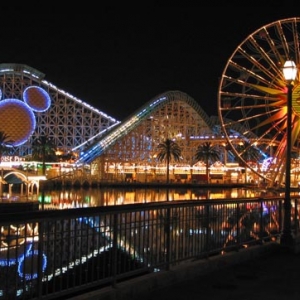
117, 59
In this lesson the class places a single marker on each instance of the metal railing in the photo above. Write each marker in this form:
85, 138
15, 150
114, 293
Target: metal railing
56, 253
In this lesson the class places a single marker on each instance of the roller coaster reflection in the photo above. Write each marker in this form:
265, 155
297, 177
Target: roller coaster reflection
68, 251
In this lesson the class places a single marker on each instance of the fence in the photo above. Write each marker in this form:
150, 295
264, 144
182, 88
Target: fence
57, 253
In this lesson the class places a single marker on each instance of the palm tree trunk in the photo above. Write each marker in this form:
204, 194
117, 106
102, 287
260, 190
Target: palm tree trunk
207, 172
168, 176
168, 169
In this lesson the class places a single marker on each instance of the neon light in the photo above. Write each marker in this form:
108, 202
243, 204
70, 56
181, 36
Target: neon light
30, 254
37, 98
14, 113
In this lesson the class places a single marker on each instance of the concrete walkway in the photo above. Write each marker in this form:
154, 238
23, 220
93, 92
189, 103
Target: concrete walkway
259, 272
275, 276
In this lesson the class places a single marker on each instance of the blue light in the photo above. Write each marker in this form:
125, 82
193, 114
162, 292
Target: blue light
30, 254
17, 120
21, 260
37, 98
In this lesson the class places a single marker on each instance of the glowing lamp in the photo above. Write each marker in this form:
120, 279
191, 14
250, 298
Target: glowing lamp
289, 73
289, 70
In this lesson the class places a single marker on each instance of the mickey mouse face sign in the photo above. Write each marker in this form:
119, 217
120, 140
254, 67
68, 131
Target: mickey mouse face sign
17, 119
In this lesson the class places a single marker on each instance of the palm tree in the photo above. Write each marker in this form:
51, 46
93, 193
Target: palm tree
207, 153
44, 149
166, 151
4, 142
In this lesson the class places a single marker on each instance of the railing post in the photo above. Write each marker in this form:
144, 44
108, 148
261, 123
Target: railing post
41, 229
208, 231
280, 212
115, 250
296, 220
238, 239
168, 238
261, 224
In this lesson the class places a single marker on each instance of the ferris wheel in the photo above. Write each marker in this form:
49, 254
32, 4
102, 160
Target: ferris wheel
252, 100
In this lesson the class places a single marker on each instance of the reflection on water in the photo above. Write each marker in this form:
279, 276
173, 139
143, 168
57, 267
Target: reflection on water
75, 198
143, 235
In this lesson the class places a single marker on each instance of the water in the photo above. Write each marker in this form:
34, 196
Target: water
146, 238
92, 197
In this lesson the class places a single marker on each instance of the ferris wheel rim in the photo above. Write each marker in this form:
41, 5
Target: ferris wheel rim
260, 89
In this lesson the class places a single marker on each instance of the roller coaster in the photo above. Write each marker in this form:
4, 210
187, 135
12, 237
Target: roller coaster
251, 116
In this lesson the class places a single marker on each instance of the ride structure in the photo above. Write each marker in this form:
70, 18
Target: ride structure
249, 131
252, 99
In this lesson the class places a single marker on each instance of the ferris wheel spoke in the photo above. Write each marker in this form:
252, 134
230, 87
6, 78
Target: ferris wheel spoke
252, 101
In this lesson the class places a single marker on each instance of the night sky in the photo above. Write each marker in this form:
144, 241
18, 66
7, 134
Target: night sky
117, 59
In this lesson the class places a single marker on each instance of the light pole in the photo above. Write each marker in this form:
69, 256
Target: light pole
289, 72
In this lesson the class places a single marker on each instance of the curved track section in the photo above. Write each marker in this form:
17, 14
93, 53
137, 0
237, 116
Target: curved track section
176, 100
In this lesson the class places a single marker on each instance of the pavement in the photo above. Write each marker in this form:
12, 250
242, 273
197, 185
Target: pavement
274, 276
260, 272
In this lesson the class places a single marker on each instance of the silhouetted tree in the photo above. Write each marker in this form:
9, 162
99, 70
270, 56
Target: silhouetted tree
5, 141
167, 151
207, 153
43, 149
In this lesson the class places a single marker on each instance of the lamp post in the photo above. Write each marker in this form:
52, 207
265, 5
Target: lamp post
289, 72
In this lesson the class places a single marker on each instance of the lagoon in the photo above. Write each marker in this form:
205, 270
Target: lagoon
108, 196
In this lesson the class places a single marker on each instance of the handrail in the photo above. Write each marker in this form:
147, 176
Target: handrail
47, 254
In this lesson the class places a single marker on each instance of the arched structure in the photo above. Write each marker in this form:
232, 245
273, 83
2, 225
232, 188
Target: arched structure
69, 122
253, 102
128, 152
114, 150
25, 185
172, 115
